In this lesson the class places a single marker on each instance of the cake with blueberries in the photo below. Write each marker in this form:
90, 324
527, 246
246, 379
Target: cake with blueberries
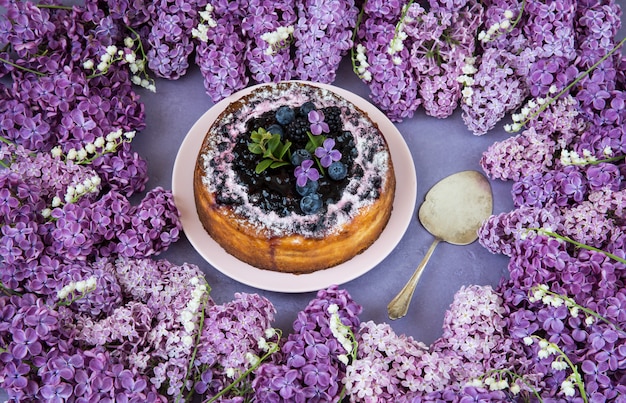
294, 178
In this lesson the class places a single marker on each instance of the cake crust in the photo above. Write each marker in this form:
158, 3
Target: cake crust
265, 241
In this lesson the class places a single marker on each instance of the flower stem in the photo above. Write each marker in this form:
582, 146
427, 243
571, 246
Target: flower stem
54, 6
195, 347
17, 66
570, 302
404, 11
566, 89
575, 374
579, 245
515, 377
272, 350
574, 368
8, 291
354, 33
519, 16
140, 45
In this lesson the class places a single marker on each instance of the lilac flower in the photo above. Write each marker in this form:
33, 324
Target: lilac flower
14, 377
497, 89
327, 153
302, 349
603, 175
322, 36
25, 343
317, 124
472, 394
57, 393
572, 185
306, 172
594, 96
43, 320
231, 332
125, 171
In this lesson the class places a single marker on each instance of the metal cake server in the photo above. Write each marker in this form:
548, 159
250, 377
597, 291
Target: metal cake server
452, 211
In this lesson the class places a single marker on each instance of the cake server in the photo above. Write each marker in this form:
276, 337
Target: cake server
453, 211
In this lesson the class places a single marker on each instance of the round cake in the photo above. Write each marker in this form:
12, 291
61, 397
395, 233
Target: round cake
294, 178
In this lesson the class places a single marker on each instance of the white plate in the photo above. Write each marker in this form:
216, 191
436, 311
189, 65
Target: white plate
213, 253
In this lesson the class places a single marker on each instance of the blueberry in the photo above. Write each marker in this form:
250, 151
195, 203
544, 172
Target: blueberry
309, 188
337, 171
310, 204
276, 129
306, 108
300, 155
285, 115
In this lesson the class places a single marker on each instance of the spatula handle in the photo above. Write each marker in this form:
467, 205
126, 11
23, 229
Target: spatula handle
399, 306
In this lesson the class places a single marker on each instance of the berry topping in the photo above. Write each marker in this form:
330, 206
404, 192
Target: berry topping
309, 188
310, 204
285, 115
337, 171
283, 184
306, 108
300, 155
297, 129
276, 129
333, 118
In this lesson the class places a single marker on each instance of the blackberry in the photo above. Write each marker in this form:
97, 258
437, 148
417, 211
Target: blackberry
296, 130
332, 116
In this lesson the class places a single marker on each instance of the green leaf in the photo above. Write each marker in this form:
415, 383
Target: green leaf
274, 143
314, 142
277, 164
263, 165
255, 148
257, 135
284, 150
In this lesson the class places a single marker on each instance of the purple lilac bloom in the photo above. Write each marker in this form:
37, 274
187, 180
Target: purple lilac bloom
322, 36
311, 342
306, 172
317, 123
268, 66
231, 333
327, 153
221, 58
524, 154
124, 171
169, 40
497, 90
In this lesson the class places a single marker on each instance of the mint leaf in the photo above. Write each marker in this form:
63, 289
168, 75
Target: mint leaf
263, 165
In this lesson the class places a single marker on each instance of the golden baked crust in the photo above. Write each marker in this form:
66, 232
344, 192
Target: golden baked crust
271, 247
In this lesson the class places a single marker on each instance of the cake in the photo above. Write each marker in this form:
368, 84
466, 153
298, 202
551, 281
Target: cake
294, 178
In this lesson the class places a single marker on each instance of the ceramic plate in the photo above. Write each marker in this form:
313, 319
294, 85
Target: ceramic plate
212, 252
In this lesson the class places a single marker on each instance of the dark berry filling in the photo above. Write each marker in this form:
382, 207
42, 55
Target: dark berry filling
275, 189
